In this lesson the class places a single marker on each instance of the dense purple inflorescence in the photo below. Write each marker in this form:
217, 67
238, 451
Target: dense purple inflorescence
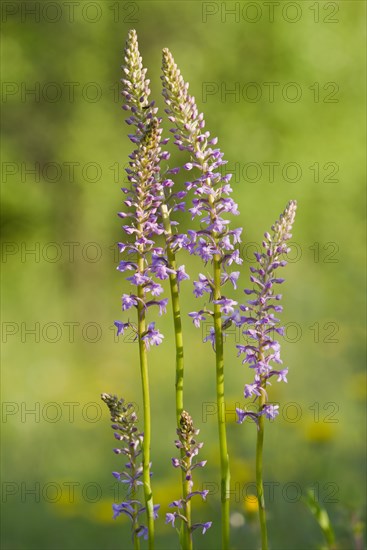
211, 202
124, 421
143, 198
186, 441
261, 324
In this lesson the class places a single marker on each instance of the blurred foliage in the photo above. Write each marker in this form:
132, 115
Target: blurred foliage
319, 438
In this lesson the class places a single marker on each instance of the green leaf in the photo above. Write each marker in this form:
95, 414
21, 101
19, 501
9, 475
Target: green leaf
322, 518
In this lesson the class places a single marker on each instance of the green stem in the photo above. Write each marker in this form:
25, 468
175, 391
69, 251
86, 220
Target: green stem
135, 506
176, 315
176, 311
136, 525
259, 476
146, 407
186, 526
224, 459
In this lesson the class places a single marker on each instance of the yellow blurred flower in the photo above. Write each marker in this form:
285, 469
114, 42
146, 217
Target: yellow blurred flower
251, 504
320, 432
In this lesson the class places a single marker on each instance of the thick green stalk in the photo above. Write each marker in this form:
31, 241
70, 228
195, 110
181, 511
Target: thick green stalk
176, 310
186, 527
259, 475
219, 361
224, 458
146, 407
176, 315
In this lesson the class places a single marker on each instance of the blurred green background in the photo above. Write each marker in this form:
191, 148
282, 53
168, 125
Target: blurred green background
297, 70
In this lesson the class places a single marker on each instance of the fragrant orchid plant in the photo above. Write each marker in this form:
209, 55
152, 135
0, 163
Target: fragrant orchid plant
125, 431
150, 245
190, 449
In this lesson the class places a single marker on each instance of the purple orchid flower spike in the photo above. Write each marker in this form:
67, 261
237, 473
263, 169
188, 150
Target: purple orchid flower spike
144, 199
261, 325
189, 448
124, 420
211, 201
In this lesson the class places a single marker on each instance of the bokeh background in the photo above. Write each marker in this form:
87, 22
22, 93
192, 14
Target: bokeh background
64, 149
